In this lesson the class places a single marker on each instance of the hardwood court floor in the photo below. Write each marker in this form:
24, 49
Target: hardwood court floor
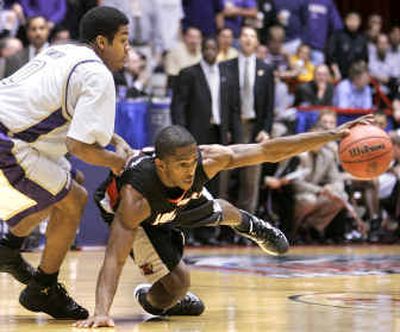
312, 289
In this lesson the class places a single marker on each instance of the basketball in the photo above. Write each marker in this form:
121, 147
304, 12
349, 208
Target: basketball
367, 152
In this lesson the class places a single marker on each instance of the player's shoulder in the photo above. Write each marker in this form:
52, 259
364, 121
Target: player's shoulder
139, 157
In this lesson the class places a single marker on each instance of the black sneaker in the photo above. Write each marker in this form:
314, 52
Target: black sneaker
190, 305
269, 238
12, 262
52, 300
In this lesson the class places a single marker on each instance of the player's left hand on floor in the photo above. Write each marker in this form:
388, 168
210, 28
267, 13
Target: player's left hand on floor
95, 321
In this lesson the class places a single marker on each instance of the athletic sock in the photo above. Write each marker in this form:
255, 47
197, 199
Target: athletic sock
11, 241
45, 279
246, 223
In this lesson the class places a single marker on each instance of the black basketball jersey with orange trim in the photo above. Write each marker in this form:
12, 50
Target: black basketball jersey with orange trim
165, 203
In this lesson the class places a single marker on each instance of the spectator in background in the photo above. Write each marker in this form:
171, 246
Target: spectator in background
389, 195
395, 116
52, 10
11, 17
60, 35
235, 13
225, 45
276, 57
320, 194
154, 25
132, 81
374, 29
292, 15
75, 10
383, 65
301, 65
205, 15
185, 54
37, 32
8, 47
267, 14
394, 37
205, 104
317, 92
262, 52
355, 91
347, 46
322, 20
254, 82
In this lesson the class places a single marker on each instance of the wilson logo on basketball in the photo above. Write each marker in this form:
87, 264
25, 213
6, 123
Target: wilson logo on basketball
361, 150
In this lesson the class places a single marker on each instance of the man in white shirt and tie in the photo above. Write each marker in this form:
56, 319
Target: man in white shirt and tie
253, 82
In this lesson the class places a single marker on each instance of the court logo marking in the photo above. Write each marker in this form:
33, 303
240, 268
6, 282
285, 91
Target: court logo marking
300, 266
352, 300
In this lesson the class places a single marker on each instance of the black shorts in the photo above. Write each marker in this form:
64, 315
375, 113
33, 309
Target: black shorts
157, 250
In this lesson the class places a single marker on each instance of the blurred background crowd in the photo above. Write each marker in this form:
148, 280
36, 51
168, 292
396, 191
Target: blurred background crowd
242, 71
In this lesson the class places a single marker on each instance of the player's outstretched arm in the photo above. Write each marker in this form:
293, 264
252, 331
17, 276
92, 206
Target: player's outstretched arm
218, 158
132, 210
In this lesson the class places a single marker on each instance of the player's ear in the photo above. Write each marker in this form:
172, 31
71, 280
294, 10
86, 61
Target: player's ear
100, 42
159, 163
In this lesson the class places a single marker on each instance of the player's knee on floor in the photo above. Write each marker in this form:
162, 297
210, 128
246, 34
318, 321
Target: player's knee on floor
177, 282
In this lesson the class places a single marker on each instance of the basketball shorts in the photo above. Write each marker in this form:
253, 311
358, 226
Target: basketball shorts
29, 181
157, 250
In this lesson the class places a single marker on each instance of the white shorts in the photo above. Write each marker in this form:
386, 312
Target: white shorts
29, 180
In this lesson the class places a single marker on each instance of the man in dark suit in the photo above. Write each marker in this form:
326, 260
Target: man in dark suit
202, 101
37, 32
254, 83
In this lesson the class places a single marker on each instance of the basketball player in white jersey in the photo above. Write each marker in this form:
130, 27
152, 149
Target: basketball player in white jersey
61, 101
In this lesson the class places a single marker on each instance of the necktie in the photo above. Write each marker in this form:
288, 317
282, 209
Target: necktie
247, 92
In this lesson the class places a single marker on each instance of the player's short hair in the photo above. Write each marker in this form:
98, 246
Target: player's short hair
171, 138
102, 20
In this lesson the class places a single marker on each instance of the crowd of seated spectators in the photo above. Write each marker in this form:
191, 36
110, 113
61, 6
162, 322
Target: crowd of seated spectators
326, 69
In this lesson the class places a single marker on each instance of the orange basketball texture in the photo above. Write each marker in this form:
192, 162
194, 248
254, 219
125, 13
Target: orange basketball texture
366, 152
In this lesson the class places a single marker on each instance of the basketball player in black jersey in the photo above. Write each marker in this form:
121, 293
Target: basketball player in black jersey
158, 194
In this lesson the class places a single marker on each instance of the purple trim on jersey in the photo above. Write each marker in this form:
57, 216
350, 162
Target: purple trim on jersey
31, 134
15, 174
67, 85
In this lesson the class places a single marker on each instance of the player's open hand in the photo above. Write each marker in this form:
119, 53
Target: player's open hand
343, 130
95, 321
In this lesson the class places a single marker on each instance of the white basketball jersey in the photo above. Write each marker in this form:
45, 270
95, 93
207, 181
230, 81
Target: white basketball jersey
65, 91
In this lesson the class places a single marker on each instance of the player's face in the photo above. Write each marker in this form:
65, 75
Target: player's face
180, 168
115, 53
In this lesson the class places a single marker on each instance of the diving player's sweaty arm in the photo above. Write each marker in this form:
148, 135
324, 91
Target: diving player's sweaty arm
132, 210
